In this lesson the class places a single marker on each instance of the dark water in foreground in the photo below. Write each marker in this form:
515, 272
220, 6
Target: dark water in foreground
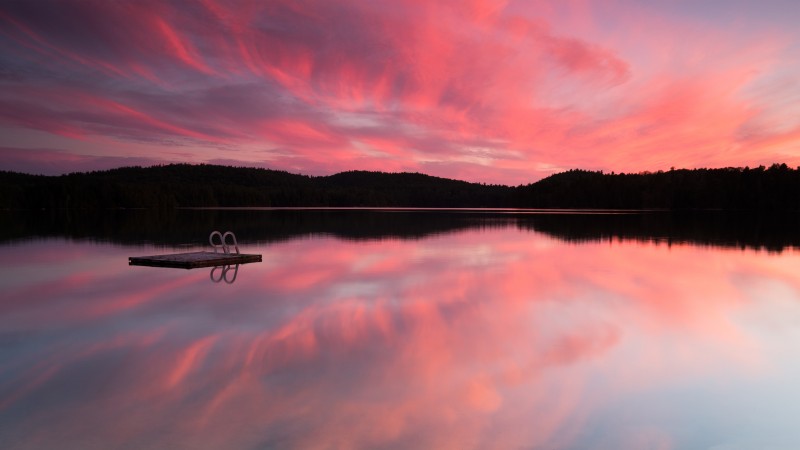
402, 329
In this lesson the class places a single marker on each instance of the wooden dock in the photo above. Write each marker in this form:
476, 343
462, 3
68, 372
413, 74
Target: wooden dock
193, 260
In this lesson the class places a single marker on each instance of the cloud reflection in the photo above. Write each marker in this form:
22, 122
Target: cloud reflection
488, 338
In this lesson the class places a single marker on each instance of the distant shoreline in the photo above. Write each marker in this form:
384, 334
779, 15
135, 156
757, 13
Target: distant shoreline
774, 188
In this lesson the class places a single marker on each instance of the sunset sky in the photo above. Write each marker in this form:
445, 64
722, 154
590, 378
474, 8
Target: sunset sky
483, 90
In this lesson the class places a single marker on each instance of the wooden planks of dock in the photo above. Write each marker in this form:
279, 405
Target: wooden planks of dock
193, 260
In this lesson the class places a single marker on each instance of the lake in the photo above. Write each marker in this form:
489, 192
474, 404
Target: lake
406, 329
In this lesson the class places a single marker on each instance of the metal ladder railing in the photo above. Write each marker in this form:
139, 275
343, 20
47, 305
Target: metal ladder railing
223, 241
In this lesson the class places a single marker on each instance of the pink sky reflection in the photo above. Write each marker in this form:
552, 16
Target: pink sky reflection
486, 338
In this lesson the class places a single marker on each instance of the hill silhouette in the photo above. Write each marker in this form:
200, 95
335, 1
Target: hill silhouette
776, 188
185, 185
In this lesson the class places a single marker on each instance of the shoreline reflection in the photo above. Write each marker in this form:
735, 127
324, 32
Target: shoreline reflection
181, 228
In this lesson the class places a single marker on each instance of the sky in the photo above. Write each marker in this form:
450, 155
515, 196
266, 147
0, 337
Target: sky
490, 91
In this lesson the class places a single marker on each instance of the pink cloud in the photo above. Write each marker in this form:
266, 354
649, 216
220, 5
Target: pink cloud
405, 84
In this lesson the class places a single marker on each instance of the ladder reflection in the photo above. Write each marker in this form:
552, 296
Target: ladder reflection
223, 274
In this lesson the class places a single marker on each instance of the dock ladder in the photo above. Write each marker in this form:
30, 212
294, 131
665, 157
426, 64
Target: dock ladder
223, 242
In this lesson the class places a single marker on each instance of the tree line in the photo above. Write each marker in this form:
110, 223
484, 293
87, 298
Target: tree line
774, 188
761, 188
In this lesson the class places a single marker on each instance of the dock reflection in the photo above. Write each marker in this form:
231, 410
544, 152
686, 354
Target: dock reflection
219, 274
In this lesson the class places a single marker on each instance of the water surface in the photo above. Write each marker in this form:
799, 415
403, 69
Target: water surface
402, 329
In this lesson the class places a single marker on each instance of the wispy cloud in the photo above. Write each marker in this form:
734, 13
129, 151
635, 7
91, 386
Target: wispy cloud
406, 85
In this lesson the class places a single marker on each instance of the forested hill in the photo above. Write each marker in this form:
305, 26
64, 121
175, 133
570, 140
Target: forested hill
184, 185
775, 188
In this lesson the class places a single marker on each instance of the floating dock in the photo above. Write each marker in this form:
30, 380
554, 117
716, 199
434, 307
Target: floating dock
193, 260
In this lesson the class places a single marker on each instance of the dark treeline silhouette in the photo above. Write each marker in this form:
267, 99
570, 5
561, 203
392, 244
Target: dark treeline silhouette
776, 188
176, 228
184, 185
766, 189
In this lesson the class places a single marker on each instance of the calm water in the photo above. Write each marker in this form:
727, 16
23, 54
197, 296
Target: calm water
402, 329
